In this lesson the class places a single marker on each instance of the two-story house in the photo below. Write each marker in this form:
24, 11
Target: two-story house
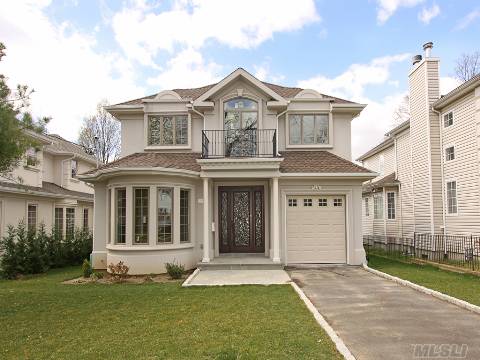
241, 166
49, 191
429, 166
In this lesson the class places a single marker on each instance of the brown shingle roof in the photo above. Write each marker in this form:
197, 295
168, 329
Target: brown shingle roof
317, 162
195, 93
59, 144
47, 187
389, 180
186, 161
293, 162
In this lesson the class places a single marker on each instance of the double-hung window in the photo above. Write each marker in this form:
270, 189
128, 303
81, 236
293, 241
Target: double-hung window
168, 130
120, 215
452, 197
31, 157
450, 153
59, 221
32, 217
378, 206
70, 222
141, 200
74, 168
391, 205
448, 119
85, 219
367, 208
309, 129
165, 215
184, 215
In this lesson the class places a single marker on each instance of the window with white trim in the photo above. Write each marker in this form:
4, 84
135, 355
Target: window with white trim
452, 197
308, 129
31, 157
69, 222
140, 201
164, 215
120, 215
337, 202
292, 202
167, 130
59, 221
448, 119
184, 215
74, 168
450, 153
378, 206
322, 202
32, 217
85, 219
391, 205
367, 208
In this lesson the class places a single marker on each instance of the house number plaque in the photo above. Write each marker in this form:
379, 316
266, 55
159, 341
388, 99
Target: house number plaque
316, 187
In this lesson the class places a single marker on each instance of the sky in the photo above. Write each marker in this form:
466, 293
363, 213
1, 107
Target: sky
76, 53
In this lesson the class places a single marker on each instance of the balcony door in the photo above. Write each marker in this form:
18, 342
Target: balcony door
241, 219
240, 125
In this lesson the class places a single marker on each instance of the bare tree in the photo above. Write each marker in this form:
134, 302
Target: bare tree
468, 65
402, 112
100, 135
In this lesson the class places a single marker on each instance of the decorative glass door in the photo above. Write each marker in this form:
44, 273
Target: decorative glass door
240, 125
241, 219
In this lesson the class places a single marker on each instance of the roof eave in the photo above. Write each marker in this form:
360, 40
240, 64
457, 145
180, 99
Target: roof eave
456, 94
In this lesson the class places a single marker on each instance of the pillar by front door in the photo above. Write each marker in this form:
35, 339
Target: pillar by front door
241, 219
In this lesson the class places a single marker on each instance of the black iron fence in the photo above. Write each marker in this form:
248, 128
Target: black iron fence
239, 143
456, 250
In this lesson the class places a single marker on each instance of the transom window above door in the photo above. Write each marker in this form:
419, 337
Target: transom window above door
309, 129
240, 113
167, 130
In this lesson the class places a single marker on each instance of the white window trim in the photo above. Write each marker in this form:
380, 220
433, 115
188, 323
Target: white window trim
446, 197
167, 147
443, 120
394, 207
307, 146
445, 152
37, 214
366, 206
174, 210
383, 206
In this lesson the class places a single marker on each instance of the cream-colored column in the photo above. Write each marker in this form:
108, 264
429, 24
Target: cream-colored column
206, 225
275, 222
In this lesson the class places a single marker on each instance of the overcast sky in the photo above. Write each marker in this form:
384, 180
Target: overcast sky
76, 53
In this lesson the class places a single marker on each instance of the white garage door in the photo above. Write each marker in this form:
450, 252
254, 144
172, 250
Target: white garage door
316, 229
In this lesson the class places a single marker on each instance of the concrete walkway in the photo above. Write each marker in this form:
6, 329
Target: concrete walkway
379, 319
239, 277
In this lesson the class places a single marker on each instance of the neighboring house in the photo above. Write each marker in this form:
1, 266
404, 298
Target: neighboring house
429, 166
49, 191
241, 166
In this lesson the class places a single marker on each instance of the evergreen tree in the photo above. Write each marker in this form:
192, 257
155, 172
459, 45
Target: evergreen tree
9, 261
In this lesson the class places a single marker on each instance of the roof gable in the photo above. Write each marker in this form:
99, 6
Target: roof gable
240, 73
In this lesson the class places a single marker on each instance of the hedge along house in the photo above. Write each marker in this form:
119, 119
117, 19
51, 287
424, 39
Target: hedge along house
237, 167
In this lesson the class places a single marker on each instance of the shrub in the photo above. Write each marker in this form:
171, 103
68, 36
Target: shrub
86, 269
175, 271
97, 275
118, 271
32, 252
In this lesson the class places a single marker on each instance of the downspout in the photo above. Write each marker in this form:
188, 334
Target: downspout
276, 129
198, 113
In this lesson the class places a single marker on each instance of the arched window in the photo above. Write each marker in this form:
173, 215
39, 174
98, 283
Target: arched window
240, 113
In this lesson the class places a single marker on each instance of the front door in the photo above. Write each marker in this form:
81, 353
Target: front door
241, 219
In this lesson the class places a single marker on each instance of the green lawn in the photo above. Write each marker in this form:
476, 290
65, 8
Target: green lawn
41, 318
461, 286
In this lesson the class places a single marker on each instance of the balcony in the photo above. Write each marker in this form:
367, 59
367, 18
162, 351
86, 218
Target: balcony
239, 143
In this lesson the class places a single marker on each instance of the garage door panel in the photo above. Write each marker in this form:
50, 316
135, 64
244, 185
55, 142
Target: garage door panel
316, 234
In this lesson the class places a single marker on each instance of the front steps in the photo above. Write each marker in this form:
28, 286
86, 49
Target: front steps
240, 262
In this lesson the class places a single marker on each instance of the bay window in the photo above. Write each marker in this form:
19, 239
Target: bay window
120, 215
70, 222
168, 130
309, 129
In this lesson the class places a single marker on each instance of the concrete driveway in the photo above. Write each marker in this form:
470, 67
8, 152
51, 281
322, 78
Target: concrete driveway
379, 319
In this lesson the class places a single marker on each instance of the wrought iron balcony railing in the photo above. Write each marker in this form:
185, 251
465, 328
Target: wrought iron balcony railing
240, 143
